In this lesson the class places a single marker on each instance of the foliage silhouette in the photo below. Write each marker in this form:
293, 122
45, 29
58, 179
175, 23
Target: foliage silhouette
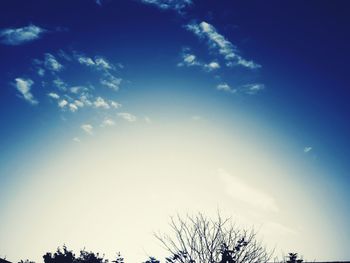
293, 258
66, 256
26, 261
152, 260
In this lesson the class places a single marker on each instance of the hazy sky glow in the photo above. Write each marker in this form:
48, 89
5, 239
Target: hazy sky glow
117, 114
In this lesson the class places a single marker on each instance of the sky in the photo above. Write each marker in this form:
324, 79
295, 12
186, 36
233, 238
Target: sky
117, 114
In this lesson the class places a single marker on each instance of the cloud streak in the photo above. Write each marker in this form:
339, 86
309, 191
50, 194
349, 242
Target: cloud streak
240, 191
218, 42
20, 35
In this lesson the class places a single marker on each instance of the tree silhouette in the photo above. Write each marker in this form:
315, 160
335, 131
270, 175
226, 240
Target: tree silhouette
60, 256
66, 256
198, 239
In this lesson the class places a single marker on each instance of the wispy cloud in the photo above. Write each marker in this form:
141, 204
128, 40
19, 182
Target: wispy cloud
226, 88
98, 62
24, 87
88, 128
51, 63
73, 107
101, 103
127, 116
307, 149
178, 5
78, 89
60, 84
252, 89
196, 118
108, 122
20, 35
101, 64
147, 119
79, 103
62, 103
53, 95
76, 139
115, 104
212, 66
111, 82
85, 94
237, 189
190, 60
218, 42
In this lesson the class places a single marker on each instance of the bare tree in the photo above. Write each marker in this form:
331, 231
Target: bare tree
198, 239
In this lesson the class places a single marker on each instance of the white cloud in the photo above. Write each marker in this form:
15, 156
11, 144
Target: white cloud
41, 72
78, 103
53, 95
73, 107
212, 66
21, 35
240, 191
147, 119
98, 62
86, 61
84, 98
111, 82
219, 42
225, 87
307, 149
253, 89
108, 122
51, 63
101, 103
127, 116
115, 104
102, 63
190, 60
61, 85
76, 139
24, 86
77, 89
177, 5
62, 103
88, 128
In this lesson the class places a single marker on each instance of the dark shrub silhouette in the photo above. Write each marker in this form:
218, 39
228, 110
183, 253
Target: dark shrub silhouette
293, 258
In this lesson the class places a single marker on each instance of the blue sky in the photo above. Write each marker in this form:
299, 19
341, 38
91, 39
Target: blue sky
248, 98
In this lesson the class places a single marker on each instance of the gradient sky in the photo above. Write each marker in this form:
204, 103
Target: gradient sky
117, 114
